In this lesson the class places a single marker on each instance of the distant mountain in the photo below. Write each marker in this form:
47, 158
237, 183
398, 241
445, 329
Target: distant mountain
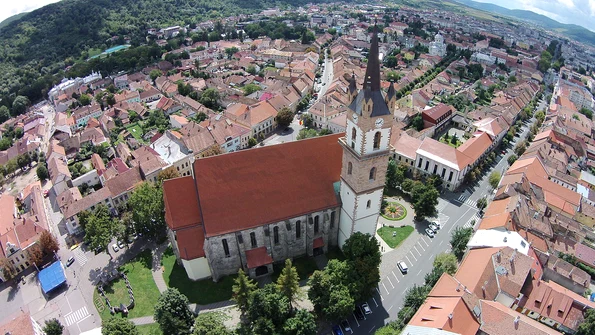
12, 18
573, 31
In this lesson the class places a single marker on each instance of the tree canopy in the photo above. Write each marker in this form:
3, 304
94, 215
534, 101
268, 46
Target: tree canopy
53, 327
149, 212
210, 323
99, 227
459, 239
172, 313
284, 117
118, 326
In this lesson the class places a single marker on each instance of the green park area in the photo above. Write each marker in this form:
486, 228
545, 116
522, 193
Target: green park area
393, 236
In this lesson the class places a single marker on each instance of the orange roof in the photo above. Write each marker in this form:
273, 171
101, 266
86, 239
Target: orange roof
258, 257
191, 242
443, 153
181, 203
244, 189
532, 164
7, 207
497, 319
500, 220
407, 145
471, 269
19, 325
476, 146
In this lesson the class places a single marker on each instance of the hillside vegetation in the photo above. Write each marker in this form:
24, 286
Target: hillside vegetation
37, 49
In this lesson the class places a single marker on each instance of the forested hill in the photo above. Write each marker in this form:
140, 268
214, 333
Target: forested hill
47, 40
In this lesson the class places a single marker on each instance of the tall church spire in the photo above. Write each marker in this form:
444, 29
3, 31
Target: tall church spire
372, 79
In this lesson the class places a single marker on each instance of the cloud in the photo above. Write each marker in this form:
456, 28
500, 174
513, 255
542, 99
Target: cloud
581, 12
10, 7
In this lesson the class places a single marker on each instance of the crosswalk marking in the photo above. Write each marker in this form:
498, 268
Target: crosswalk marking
469, 224
73, 317
470, 202
80, 256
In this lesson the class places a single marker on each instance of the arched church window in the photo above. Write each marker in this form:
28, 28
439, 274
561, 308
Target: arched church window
349, 168
377, 140
373, 173
353, 133
369, 204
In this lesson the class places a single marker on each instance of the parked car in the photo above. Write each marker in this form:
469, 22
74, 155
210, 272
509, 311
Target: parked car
433, 227
121, 244
337, 330
429, 232
346, 326
358, 313
366, 308
403, 267
115, 247
70, 261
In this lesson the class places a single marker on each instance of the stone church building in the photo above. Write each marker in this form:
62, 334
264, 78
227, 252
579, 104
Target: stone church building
250, 209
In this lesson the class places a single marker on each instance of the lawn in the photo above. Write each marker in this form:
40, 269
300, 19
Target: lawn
305, 267
136, 131
201, 292
145, 291
449, 142
400, 234
150, 329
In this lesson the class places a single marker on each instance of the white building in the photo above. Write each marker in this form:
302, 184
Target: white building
438, 47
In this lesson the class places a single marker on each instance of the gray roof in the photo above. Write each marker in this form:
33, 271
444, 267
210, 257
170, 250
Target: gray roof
379, 106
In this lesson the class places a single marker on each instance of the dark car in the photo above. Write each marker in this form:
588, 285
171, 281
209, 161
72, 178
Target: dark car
337, 330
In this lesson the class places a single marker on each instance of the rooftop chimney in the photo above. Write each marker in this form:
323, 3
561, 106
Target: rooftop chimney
450, 316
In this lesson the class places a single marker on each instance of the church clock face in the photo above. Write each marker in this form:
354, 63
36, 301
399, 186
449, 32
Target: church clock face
355, 118
379, 123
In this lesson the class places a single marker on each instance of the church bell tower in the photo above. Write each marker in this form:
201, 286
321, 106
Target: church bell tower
366, 149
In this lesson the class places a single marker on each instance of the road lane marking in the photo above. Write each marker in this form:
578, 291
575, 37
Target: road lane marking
422, 248
455, 224
387, 292
415, 247
395, 276
375, 301
355, 319
439, 244
405, 290
408, 260
371, 329
391, 306
412, 255
391, 283
419, 272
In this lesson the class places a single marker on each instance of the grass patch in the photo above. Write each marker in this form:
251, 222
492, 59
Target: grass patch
454, 145
400, 234
150, 329
201, 292
136, 131
145, 291
335, 253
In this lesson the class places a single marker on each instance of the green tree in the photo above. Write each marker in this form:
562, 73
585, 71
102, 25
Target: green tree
42, 172
302, 323
252, 142
362, 253
458, 241
169, 173
446, 262
407, 185
391, 172
48, 242
242, 288
53, 327
20, 104
425, 204
110, 99
540, 116
481, 203
118, 326
148, 214
268, 304
284, 117
251, 70
417, 122
99, 228
172, 313
307, 120
154, 74
288, 283
511, 159
84, 100
336, 277
5, 143
494, 179
415, 296
209, 98
210, 323
4, 114
587, 327
251, 88
340, 303
231, 51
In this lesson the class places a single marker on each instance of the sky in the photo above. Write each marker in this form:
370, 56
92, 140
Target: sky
9, 8
581, 12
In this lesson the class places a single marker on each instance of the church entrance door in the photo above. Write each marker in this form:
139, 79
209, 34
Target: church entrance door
318, 251
261, 270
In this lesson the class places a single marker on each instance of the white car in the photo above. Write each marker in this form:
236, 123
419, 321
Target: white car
403, 267
366, 308
115, 247
429, 232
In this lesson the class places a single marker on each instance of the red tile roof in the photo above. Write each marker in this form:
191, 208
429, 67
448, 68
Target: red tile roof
245, 189
476, 146
318, 242
258, 257
498, 319
181, 203
19, 325
191, 242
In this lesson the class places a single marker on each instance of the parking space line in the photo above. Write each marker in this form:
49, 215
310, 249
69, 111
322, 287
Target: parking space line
387, 292
395, 276
415, 247
439, 244
422, 248
377, 291
391, 306
355, 318
427, 245
375, 301
419, 272
408, 260
391, 283
412, 255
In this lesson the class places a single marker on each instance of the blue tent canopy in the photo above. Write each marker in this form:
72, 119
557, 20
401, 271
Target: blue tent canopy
52, 277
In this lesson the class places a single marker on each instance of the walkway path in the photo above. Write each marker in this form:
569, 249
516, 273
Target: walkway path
157, 270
